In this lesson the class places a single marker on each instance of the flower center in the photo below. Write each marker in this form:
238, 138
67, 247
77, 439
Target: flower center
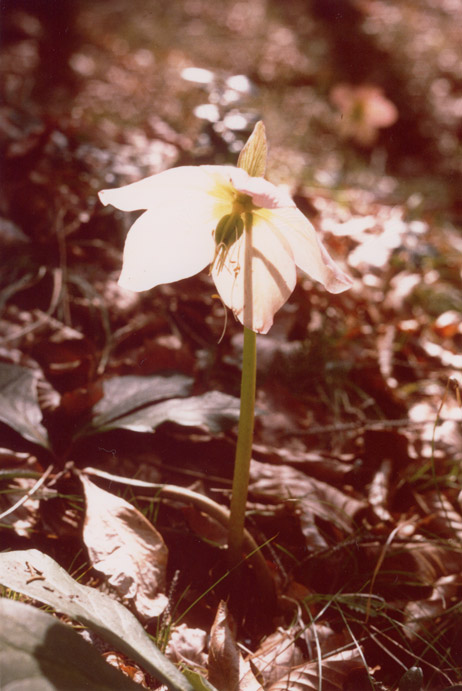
243, 204
230, 228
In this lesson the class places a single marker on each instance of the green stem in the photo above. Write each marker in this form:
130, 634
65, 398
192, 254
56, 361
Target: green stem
243, 448
246, 415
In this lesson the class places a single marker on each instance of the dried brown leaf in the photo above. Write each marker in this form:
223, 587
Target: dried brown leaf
124, 546
330, 675
321, 465
320, 634
227, 669
313, 497
446, 520
379, 490
187, 645
385, 353
277, 655
414, 563
422, 614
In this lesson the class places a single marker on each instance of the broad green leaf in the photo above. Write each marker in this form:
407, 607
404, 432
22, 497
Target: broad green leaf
39, 653
253, 156
124, 395
23, 572
19, 407
213, 410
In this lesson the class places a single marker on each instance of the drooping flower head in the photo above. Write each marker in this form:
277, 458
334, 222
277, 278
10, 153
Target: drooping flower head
246, 228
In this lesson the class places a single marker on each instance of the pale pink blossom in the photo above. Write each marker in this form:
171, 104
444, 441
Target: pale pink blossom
263, 238
365, 110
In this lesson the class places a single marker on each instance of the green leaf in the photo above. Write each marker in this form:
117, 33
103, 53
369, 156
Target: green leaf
19, 407
23, 572
253, 156
199, 683
39, 653
124, 395
213, 410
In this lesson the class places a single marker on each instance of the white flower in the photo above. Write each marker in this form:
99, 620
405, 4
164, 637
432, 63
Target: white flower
247, 228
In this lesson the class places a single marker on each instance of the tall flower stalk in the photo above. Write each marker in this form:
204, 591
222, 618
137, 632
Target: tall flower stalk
243, 448
253, 160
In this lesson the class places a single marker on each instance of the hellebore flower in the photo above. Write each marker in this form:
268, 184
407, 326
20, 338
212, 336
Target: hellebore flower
221, 216
365, 110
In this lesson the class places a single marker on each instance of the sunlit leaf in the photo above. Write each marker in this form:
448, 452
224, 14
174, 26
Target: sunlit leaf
379, 489
330, 675
422, 616
38, 576
214, 410
277, 655
187, 645
39, 653
19, 407
126, 547
317, 499
124, 395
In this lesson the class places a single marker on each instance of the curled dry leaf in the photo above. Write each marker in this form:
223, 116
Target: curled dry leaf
124, 546
277, 655
187, 646
379, 490
424, 615
227, 669
418, 561
315, 498
445, 519
321, 635
331, 674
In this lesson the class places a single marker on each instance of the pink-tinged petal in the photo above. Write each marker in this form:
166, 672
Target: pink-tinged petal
308, 251
263, 193
273, 277
156, 189
169, 243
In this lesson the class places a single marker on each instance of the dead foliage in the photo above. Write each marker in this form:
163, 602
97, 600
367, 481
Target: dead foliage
355, 484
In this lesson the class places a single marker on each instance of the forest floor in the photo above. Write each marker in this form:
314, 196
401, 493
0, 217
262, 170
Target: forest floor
355, 492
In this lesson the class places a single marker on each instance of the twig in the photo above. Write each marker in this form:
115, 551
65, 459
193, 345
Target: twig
359, 425
28, 494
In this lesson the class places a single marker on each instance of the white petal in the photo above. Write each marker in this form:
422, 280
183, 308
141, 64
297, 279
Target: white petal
308, 251
168, 186
273, 277
168, 243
